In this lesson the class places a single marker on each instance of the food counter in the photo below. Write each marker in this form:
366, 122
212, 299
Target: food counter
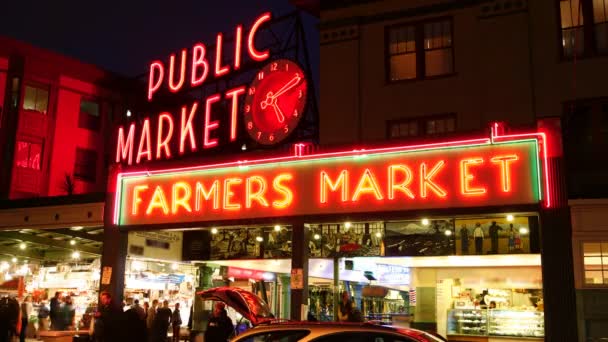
495, 323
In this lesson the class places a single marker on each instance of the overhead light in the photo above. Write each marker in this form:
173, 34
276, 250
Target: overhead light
317, 236
174, 266
277, 228
4, 266
425, 222
128, 113
8, 277
22, 245
378, 234
77, 228
523, 230
213, 230
244, 147
347, 225
14, 259
509, 217
448, 232
259, 239
72, 242
76, 255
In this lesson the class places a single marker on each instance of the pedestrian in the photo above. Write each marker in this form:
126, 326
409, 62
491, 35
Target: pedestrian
68, 313
137, 330
464, 240
26, 311
346, 308
43, 316
161, 323
220, 326
176, 322
146, 308
151, 316
478, 236
105, 327
494, 228
9, 318
55, 311
141, 313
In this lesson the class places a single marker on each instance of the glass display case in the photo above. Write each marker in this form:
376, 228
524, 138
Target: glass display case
467, 322
516, 323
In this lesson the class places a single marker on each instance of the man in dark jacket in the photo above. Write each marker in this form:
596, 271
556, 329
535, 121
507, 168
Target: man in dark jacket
220, 326
160, 325
55, 313
107, 320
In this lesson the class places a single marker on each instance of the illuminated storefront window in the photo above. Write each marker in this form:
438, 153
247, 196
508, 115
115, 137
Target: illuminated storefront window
595, 256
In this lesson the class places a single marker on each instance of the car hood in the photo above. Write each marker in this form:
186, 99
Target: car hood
244, 302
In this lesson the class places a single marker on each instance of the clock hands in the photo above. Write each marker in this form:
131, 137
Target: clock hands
271, 98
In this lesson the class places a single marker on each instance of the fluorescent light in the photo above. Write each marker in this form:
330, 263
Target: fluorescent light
14, 259
213, 230
425, 222
77, 228
277, 228
22, 245
317, 236
72, 242
259, 239
509, 217
347, 225
378, 234
523, 231
75, 255
174, 267
448, 232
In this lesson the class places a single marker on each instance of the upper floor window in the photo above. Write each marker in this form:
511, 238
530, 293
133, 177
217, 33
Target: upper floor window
28, 155
36, 99
584, 26
85, 166
595, 260
422, 126
420, 50
89, 116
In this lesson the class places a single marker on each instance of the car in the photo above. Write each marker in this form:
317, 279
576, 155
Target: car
267, 329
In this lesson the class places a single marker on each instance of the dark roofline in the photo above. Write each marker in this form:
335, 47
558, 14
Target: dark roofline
52, 201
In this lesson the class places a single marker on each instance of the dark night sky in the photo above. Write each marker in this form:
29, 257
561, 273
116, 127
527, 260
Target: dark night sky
125, 35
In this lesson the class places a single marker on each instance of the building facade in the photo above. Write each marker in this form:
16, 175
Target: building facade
418, 70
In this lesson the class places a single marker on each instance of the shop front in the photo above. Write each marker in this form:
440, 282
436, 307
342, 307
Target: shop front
441, 236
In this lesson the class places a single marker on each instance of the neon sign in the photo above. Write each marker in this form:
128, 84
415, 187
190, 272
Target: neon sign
272, 105
478, 172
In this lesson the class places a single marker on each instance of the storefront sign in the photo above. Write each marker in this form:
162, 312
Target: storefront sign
244, 273
270, 107
479, 173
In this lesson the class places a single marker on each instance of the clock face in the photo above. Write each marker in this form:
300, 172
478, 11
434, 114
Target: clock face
275, 102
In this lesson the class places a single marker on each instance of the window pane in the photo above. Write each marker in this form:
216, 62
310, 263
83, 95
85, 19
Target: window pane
438, 62
89, 107
593, 263
403, 67
570, 14
430, 127
394, 131
450, 125
591, 249
42, 100
22, 155
437, 35
573, 40
600, 8
413, 129
35, 156
403, 129
601, 37
594, 277
29, 100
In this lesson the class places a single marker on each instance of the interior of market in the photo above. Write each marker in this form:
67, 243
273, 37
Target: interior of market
37, 264
459, 276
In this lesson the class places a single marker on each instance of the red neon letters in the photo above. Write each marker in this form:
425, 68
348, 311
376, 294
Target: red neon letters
199, 65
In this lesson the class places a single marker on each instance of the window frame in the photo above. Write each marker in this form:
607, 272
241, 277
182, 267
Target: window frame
421, 122
589, 40
37, 86
419, 49
89, 121
82, 166
583, 269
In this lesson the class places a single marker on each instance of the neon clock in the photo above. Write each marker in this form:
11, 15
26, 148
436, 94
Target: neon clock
275, 102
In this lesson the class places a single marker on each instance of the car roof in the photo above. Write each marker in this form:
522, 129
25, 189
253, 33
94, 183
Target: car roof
333, 327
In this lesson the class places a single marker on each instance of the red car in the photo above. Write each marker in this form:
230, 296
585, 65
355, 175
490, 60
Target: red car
267, 329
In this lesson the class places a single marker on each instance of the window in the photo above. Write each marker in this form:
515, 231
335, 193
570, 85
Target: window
89, 117
422, 126
28, 155
36, 99
582, 36
276, 336
419, 51
85, 165
595, 260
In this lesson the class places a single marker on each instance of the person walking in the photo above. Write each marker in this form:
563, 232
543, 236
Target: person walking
55, 311
161, 323
176, 322
219, 327
68, 313
478, 236
346, 308
494, 229
141, 313
151, 316
105, 327
464, 240
26, 311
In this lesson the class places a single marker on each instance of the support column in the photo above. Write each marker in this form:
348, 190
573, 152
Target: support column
114, 249
299, 260
285, 296
336, 287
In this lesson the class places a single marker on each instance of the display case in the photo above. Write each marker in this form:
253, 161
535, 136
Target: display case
522, 323
468, 322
